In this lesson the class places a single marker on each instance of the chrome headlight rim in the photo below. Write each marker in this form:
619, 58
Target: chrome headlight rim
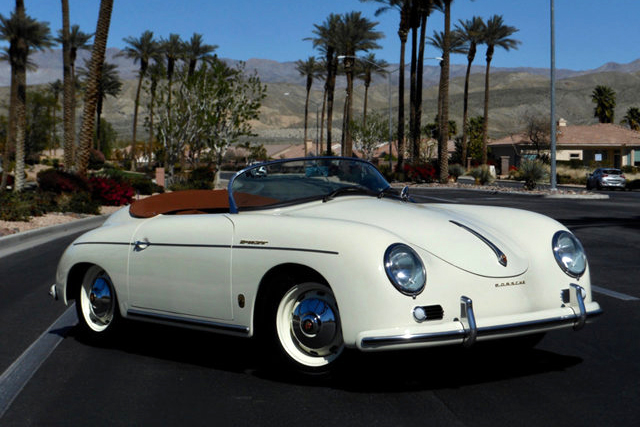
418, 268
559, 258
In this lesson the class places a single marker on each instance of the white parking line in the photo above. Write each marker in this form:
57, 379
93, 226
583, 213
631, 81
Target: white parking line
614, 294
20, 372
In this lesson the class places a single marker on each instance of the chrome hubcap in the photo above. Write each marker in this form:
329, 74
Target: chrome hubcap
314, 325
101, 300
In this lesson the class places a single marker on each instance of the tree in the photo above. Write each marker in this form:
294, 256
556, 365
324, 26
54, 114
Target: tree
537, 130
325, 42
605, 99
93, 81
470, 32
155, 73
72, 40
144, 50
632, 118
354, 33
368, 135
24, 34
209, 111
443, 155
366, 68
55, 88
496, 34
309, 70
404, 7
109, 85
195, 50
39, 123
474, 141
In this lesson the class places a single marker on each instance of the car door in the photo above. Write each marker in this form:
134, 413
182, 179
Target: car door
181, 265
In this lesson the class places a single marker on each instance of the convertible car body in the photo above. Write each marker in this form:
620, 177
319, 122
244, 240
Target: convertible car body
318, 254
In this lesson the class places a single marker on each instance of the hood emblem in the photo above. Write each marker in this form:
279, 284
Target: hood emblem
502, 258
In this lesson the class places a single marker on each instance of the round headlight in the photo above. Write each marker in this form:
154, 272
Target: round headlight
404, 269
569, 253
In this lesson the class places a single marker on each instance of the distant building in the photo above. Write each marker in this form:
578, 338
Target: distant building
604, 144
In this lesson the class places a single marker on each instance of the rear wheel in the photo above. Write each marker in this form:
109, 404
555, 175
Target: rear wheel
305, 327
96, 303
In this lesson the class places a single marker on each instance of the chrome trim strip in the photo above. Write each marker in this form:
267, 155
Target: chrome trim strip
375, 342
187, 245
502, 258
172, 319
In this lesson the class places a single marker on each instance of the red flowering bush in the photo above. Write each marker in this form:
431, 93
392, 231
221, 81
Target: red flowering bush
111, 192
420, 173
59, 182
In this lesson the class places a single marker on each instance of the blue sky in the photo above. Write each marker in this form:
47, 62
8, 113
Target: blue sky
589, 33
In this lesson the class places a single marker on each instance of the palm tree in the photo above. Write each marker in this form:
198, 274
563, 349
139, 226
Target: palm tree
72, 40
93, 80
496, 34
155, 73
109, 85
144, 50
423, 11
55, 88
456, 45
354, 33
325, 42
404, 7
470, 32
23, 34
309, 70
367, 67
632, 118
443, 154
605, 99
195, 50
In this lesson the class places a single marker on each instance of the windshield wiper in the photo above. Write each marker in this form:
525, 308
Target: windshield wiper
347, 189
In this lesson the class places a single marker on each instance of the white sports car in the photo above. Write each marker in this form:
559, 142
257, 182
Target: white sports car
320, 254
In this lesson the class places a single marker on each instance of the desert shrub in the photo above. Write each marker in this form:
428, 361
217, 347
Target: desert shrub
420, 173
111, 192
96, 159
533, 171
456, 170
482, 174
198, 179
142, 184
22, 206
80, 202
58, 181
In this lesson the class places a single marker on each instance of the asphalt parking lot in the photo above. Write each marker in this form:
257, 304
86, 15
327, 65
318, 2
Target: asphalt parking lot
161, 375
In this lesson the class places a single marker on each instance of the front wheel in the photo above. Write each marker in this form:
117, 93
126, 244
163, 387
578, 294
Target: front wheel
306, 327
96, 303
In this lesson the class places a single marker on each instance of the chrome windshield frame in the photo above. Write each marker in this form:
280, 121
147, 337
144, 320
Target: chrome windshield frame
233, 207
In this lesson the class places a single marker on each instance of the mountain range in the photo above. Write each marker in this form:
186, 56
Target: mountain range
515, 92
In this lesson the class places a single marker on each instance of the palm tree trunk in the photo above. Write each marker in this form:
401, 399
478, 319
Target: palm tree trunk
465, 113
443, 158
400, 163
21, 102
412, 94
11, 133
91, 94
366, 96
419, 78
485, 121
306, 112
135, 122
324, 108
68, 100
348, 142
330, 93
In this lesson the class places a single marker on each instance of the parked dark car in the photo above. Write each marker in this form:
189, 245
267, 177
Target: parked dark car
606, 178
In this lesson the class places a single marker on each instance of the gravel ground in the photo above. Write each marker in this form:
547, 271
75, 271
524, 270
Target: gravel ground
11, 227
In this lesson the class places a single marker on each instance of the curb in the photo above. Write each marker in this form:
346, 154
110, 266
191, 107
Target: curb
20, 241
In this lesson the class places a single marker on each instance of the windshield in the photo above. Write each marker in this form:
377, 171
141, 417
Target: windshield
285, 182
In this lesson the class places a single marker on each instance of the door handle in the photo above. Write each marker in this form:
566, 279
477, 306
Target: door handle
140, 245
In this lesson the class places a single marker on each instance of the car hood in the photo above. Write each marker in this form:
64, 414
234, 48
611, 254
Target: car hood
457, 239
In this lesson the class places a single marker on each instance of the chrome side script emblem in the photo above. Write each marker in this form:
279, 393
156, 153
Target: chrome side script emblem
502, 258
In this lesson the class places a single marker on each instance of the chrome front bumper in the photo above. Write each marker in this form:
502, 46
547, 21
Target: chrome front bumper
469, 332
